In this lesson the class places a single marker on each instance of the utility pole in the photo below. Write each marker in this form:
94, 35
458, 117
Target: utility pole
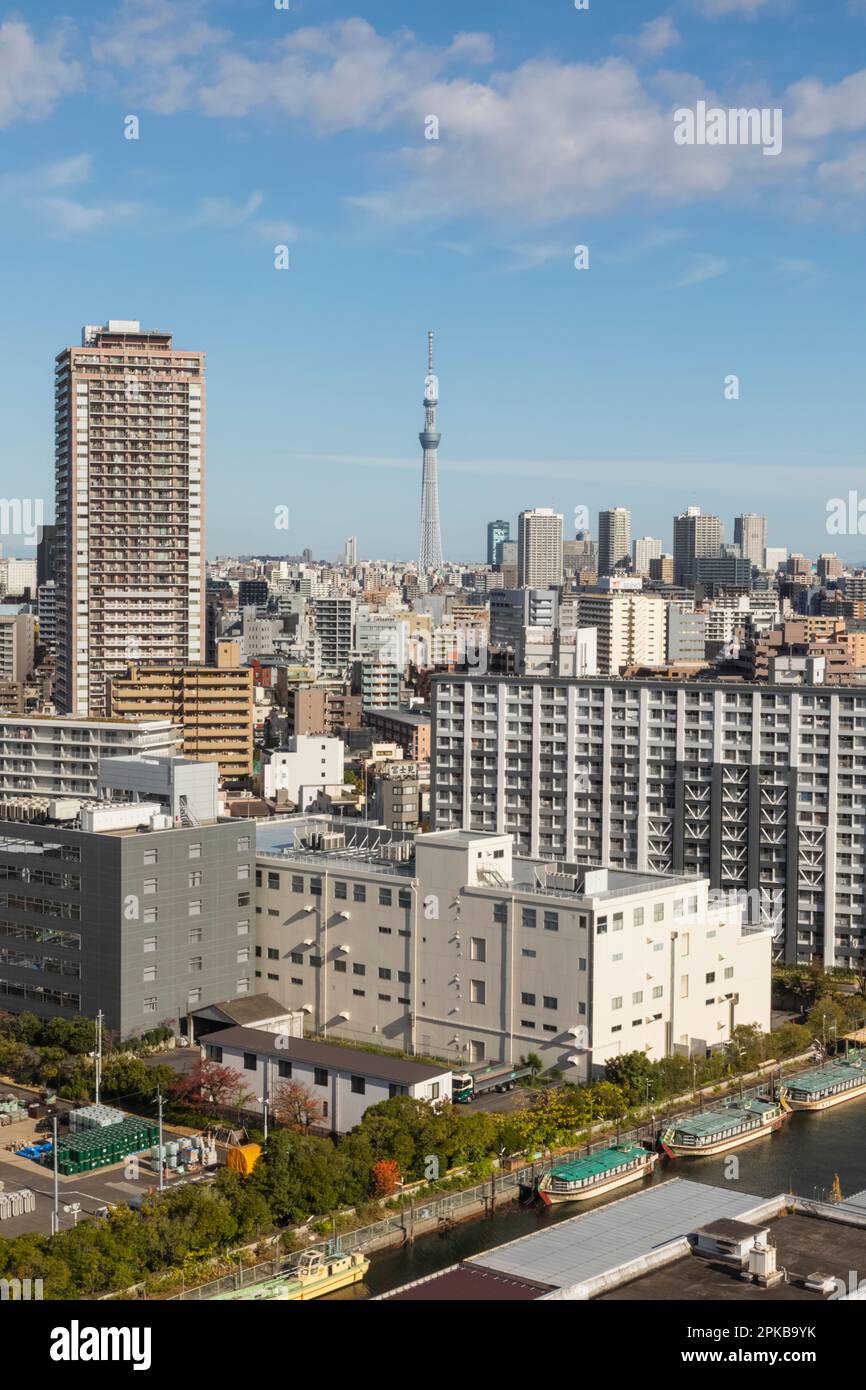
55, 1214
159, 1142
98, 1087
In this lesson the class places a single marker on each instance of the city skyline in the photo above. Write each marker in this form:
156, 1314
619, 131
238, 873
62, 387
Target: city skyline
747, 267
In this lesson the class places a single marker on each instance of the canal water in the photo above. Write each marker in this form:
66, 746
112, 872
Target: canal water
803, 1157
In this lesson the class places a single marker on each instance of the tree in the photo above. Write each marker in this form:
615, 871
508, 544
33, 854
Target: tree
296, 1106
534, 1063
631, 1072
210, 1083
386, 1177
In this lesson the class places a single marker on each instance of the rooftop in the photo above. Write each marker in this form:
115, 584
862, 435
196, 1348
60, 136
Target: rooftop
712, 1121
382, 1067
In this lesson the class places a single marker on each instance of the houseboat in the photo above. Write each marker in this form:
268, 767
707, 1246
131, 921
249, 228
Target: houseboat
599, 1173
715, 1131
843, 1078
314, 1275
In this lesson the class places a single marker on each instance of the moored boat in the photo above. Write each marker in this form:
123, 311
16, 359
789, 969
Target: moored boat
598, 1173
843, 1078
726, 1127
314, 1275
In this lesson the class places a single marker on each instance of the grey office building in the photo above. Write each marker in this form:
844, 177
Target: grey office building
761, 788
145, 924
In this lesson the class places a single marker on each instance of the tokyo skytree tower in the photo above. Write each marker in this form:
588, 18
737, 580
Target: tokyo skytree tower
430, 556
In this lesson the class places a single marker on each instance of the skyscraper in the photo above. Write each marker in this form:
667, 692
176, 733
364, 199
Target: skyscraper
497, 532
614, 539
430, 556
750, 534
644, 549
695, 536
539, 548
129, 468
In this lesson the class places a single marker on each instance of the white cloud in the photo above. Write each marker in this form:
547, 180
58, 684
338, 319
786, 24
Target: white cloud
33, 75
222, 212
716, 9
656, 37
67, 215
705, 268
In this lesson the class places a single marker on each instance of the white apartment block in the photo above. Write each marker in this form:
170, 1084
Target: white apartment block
539, 548
129, 425
454, 946
644, 549
307, 763
761, 789
631, 627
17, 643
57, 757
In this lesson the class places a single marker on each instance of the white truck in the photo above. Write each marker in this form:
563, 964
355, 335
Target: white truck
495, 1076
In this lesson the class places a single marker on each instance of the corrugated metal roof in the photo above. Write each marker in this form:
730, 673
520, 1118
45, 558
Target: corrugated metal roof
322, 1054
858, 1200
613, 1235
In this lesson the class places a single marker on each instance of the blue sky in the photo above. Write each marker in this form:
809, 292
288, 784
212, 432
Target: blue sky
559, 387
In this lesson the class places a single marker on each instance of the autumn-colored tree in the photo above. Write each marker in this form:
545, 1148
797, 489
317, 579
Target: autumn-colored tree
297, 1107
210, 1083
386, 1177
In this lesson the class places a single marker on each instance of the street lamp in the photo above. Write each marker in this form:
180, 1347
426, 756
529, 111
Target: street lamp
263, 1101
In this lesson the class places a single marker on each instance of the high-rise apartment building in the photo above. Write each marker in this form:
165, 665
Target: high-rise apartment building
497, 532
631, 627
644, 549
750, 534
695, 535
129, 426
539, 548
760, 788
614, 539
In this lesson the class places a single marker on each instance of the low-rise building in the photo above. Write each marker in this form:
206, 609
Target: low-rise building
345, 1080
306, 764
59, 755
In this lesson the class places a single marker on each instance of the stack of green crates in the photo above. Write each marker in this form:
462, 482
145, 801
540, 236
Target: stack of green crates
97, 1148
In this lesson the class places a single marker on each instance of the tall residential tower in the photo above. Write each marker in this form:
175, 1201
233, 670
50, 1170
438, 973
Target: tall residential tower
430, 556
129, 425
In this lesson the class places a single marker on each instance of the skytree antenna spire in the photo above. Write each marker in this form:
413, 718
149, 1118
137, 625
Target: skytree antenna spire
430, 557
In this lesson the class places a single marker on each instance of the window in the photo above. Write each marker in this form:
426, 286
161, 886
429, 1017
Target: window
149, 914
273, 880
551, 921
150, 856
243, 871
383, 973
149, 975
685, 942
243, 928
296, 958
149, 1006
528, 917
551, 1001
403, 976
194, 936
395, 1090
433, 1090
150, 885
710, 978
729, 972
273, 953
315, 887
477, 948
150, 943
404, 897
195, 851
384, 897
637, 997
195, 908
638, 917
359, 1086
477, 992
684, 986
243, 899
384, 931
284, 1069
601, 926
500, 912
195, 963
617, 921
213, 1052
528, 999
384, 998
297, 883
616, 1002
249, 1061
360, 993
258, 878
658, 991
527, 1023
243, 844
359, 969
528, 953
340, 967
658, 912
359, 892
196, 878
581, 963
477, 1050
320, 1076
340, 890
